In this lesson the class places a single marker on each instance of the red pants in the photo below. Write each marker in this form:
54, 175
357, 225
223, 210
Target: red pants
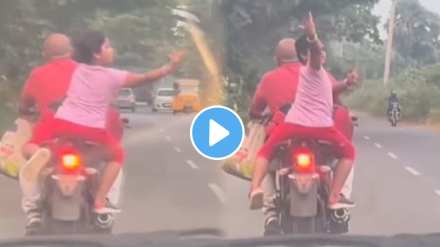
49, 128
286, 131
343, 122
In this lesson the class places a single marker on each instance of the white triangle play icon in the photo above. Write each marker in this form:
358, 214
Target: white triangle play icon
216, 133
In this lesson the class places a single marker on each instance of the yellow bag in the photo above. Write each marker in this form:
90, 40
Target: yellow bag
242, 163
11, 145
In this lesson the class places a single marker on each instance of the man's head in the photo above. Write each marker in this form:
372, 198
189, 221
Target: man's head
285, 51
393, 93
56, 46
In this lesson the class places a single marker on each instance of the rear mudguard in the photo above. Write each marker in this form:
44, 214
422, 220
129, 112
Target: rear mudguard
66, 199
303, 194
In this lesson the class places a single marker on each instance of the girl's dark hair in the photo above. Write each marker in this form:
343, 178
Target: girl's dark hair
302, 47
88, 44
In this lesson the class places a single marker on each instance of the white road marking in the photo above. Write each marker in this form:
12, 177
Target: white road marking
437, 192
178, 149
192, 164
412, 171
392, 155
367, 138
218, 192
378, 145
168, 138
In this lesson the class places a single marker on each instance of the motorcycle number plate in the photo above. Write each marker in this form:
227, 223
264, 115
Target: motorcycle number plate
67, 184
304, 182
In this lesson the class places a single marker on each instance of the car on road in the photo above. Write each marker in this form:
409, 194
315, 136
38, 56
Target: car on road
163, 99
126, 99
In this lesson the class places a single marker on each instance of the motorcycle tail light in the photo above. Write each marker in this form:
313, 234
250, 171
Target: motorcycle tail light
303, 160
70, 162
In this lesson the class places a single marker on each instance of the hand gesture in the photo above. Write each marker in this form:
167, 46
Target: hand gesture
352, 77
177, 57
310, 27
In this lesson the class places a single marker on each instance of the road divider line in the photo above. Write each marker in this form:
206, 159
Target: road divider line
218, 192
412, 171
437, 192
168, 138
367, 138
392, 155
378, 145
192, 164
178, 149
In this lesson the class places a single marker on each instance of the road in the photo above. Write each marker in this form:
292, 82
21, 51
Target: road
168, 185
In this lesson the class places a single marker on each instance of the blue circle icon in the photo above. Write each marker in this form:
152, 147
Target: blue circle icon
217, 132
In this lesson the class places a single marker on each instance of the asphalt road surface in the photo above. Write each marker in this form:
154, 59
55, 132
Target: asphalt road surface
168, 185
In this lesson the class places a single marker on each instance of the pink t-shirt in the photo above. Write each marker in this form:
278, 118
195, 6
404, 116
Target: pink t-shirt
313, 105
91, 92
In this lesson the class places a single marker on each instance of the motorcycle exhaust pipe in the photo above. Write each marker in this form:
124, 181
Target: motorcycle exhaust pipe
339, 221
340, 216
104, 221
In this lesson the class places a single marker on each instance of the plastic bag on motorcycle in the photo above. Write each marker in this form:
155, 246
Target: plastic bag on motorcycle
242, 163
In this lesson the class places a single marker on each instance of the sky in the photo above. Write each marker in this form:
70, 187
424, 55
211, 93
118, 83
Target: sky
383, 8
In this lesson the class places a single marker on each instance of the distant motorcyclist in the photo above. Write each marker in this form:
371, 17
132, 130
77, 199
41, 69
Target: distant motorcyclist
393, 101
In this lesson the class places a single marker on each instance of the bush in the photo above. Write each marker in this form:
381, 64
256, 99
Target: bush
8, 113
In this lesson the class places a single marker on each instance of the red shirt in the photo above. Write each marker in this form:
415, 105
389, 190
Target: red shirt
48, 84
277, 88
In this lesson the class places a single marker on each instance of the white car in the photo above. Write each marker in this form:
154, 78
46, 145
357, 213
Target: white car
126, 99
163, 99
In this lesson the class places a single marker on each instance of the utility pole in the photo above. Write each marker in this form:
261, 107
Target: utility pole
389, 51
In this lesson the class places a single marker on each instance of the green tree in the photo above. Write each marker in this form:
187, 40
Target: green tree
417, 33
253, 27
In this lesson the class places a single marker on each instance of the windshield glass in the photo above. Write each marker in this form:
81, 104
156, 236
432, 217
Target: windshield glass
166, 93
277, 117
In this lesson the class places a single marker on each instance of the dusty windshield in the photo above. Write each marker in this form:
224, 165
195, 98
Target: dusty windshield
306, 116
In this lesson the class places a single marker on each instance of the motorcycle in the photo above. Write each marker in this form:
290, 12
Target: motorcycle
303, 176
394, 114
68, 187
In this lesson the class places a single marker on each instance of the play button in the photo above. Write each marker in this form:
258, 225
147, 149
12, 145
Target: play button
217, 132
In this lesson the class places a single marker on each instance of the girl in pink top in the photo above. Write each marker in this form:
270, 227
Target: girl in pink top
93, 88
309, 118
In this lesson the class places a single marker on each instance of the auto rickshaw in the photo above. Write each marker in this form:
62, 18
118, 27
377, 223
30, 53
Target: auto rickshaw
187, 97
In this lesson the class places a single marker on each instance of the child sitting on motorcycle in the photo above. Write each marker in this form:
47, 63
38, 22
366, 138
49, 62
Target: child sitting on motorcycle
93, 88
310, 117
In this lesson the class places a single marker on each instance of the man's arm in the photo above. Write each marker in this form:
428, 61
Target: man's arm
341, 86
134, 80
27, 98
259, 102
258, 106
